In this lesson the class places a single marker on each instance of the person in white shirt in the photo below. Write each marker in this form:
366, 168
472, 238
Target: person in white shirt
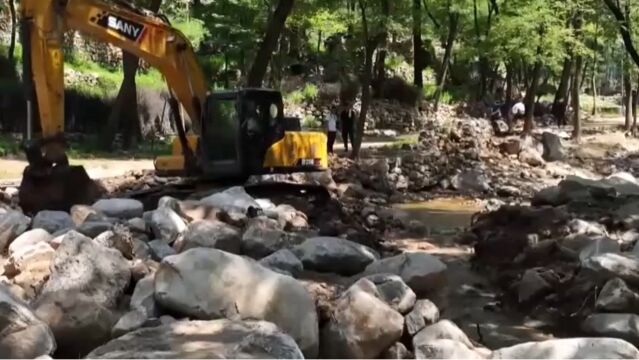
331, 123
516, 113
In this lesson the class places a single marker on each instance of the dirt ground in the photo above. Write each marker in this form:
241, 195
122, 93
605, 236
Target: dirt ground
11, 170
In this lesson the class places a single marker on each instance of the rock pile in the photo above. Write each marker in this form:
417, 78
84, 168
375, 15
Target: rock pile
230, 275
571, 260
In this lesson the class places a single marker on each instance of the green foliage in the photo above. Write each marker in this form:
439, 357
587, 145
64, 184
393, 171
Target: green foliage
194, 30
308, 94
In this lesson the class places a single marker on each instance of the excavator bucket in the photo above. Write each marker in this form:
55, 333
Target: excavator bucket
59, 188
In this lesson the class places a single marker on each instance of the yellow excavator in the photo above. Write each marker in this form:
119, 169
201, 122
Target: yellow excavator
231, 134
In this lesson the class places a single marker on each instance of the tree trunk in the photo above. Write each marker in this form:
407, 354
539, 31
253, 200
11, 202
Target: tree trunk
370, 46
576, 133
380, 63
509, 84
531, 94
125, 107
561, 96
265, 52
635, 98
594, 88
418, 51
628, 101
453, 22
124, 113
624, 29
14, 28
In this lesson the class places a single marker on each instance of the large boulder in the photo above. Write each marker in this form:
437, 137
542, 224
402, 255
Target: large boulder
166, 224
283, 261
209, 283
222, 339
264, 236
577, 348
424, 273
444, 340
159, 249
361, 326
120, 208
143, 298
424, 313
394, 292
623, 326
80, 297
335, 255
22, 334
30, 266
53, 221
12, 225
212, 234
610, 265
553, 150
232, 200
616, 296
28, 239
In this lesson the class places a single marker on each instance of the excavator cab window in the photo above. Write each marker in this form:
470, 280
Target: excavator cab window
221, 136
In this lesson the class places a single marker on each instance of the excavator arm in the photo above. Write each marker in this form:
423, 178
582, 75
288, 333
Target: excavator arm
139, 32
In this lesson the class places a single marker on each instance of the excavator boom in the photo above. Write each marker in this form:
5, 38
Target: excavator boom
136, 31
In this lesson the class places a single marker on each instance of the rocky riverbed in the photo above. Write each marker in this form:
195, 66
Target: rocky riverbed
524, 262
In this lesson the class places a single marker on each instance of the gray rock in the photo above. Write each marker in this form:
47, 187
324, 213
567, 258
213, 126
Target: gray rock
424, 273
288, 216
120, 208
224, 339
166, 225
361, 325
576, 348
28, 239
553, 150
160, 250
548, 196
23, 336
81, 213
616, 296
79, 299
335, 255
143, 298
32, 266
424, 313
94, 228
397, 351
283, 261
444, 349
232, 200
138, 225
579, 226
208, 283
394, 292
12, 225
532, 285
608, 266
264, 237
212, 234
470, 181
130, 321
600, 246
442, 330
623, 326
531, 157
53, 221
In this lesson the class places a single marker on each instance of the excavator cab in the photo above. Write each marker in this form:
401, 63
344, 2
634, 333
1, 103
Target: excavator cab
245, 133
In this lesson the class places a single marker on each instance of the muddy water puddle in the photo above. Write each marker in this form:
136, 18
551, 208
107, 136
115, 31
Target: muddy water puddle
441, 215
473, 303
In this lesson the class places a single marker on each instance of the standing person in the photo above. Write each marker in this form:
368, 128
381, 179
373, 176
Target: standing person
516, 113
331, 122
347, 119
